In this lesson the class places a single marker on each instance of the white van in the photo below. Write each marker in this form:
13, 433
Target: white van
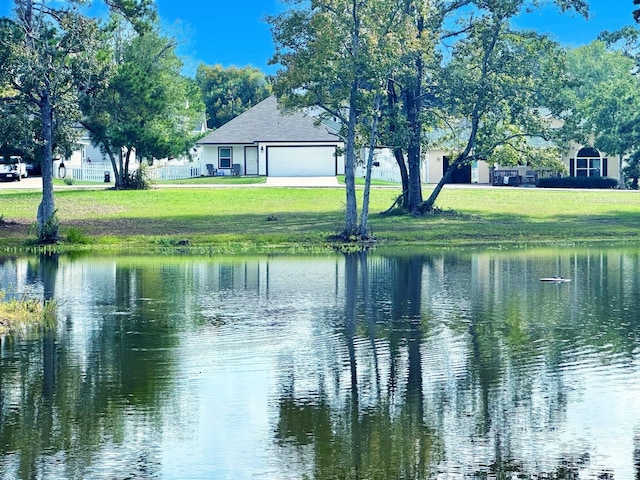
12, 168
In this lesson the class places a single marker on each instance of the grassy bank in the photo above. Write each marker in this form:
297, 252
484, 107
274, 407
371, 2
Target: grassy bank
232, 219
16, 314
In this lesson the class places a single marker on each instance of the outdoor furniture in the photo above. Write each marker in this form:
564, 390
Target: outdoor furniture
506, 177
236, 169
211, 171
531, 177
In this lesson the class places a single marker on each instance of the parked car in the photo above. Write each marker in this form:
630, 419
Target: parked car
33, 168
12, 168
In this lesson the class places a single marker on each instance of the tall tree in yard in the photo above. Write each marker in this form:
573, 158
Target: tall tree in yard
411, 91
493, 88
337, 55
50, 57
147, 110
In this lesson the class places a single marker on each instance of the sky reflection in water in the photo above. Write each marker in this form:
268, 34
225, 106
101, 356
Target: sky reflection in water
437, 365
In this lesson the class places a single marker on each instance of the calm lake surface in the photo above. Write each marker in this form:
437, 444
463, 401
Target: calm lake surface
437, 365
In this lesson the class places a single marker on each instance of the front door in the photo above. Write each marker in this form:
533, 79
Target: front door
251, 161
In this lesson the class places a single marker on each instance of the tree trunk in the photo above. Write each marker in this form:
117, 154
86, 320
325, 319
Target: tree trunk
413, 98
413, 151
364, 217
351, 214
427, 206
121, 172
114, 165
47, 223
404, 175
392, 100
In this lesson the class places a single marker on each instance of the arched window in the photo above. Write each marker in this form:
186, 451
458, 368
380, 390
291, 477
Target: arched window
588, 163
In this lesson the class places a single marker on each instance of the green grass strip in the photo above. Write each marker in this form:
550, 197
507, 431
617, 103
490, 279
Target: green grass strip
284, 218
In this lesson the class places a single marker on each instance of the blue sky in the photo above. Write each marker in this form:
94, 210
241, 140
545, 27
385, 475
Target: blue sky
234, 33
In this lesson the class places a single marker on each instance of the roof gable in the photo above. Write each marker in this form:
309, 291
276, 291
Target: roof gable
265, 122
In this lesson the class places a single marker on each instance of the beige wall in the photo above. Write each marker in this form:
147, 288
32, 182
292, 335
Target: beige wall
613, 161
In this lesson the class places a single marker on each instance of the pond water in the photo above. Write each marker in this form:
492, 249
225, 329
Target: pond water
438, 365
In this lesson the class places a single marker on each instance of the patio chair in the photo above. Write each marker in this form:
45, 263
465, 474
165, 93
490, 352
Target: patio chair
211, 171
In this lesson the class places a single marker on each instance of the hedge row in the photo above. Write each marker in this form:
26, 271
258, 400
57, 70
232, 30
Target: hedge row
577, 182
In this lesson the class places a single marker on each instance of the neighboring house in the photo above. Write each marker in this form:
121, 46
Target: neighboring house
266, 141
87, 161
579, 161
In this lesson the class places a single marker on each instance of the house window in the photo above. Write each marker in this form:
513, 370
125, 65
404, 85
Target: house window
588, 167
589, 163
224, 157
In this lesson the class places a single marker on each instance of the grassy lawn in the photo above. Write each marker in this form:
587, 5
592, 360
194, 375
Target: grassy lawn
240, 219
374, 182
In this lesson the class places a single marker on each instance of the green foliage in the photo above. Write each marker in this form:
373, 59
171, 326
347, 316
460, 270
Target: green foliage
75, 235
147, 109
227, 92
48, 231
137, 179
577, 182
141, 13
604, 99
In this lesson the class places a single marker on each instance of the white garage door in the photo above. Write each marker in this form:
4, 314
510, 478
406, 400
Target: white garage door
318, 161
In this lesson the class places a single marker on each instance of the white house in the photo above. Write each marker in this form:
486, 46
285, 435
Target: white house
266, 141
88, 162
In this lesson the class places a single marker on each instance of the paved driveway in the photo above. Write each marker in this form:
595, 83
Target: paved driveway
25, 183
302, 182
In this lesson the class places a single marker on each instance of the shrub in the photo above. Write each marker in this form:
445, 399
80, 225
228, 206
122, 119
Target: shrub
137, 179
49, 232
577, 182
75, 235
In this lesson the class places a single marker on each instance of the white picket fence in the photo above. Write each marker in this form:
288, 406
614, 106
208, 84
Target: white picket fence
96, 172
173, 172
387, 174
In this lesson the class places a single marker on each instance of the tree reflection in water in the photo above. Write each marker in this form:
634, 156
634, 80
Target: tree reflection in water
515, 356
428, 366
62, 411
379, 440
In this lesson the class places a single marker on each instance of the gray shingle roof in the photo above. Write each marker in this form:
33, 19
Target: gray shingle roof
265, 122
